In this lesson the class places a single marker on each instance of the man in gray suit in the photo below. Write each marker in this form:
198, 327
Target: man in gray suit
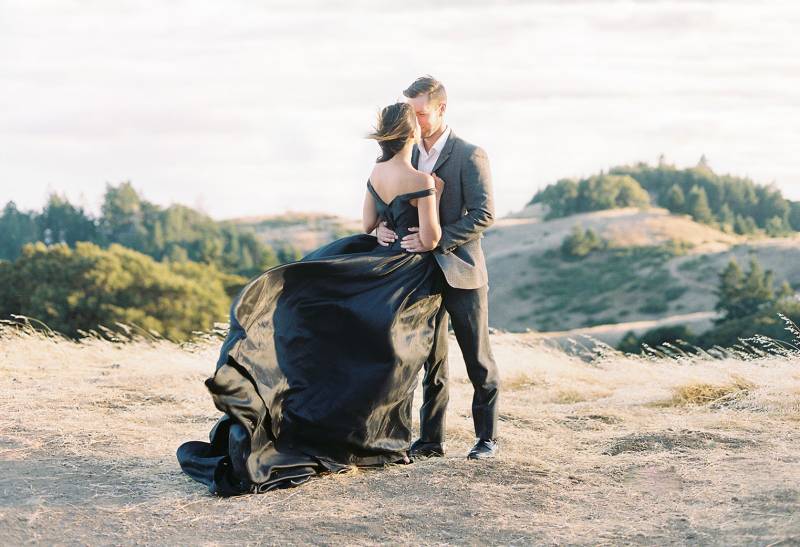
466, 209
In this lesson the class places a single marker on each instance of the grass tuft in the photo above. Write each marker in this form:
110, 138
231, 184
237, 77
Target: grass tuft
701, 393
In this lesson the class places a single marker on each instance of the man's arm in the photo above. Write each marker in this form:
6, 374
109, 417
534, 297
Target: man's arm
478, 201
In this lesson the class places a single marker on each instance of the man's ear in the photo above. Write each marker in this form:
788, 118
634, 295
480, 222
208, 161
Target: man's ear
442, 108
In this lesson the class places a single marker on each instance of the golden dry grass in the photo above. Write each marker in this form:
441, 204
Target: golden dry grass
88, 433
704, 393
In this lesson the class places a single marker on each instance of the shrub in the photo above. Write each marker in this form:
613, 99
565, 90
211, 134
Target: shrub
580, 243
630, 343
78, 289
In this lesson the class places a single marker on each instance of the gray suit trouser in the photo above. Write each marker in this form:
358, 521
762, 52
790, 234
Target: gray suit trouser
469, 312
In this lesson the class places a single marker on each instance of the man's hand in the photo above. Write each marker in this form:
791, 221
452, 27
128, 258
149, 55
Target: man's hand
385, 236
411, 242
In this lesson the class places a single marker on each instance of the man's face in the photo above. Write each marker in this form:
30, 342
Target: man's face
417, 132
429, 115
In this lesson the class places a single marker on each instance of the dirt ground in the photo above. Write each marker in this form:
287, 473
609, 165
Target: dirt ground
619, 451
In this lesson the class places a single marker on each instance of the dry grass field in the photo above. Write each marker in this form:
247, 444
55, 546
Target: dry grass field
619, 450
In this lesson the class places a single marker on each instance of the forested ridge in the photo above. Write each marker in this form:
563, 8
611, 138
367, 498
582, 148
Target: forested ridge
733, 204
168, 271
176, 233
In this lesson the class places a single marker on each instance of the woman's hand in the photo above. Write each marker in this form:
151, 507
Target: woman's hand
385, 235
412, 243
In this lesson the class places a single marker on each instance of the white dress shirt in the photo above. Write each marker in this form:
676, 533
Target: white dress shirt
427, 160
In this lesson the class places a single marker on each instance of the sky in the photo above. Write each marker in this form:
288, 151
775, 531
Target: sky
246, 107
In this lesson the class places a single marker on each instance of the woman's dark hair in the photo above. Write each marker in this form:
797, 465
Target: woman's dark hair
396, 124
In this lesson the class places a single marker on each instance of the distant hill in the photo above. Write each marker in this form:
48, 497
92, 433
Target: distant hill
657, 268
632, 249
733, 204
302, 232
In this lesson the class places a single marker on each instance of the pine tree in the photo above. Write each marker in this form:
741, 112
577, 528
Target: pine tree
744, 225
158, 242
122, 218
758, 288
697, 205
776, 227
786, 291
726, 217
742, 295
675, 200
729, 291
16, 229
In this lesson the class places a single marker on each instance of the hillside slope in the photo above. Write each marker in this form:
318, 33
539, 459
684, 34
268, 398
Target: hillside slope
301, 231
619, 451
644, 276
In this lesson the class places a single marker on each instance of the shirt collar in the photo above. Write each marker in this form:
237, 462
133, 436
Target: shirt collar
438, 145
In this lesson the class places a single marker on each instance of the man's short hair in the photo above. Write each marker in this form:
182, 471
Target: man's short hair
427, 85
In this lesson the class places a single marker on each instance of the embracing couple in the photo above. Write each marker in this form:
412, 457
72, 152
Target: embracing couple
319, 368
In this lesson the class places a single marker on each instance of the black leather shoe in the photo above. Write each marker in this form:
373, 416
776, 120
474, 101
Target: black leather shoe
484, 448
426, 449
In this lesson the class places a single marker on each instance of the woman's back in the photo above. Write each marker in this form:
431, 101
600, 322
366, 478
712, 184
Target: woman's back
405, 198
391, 180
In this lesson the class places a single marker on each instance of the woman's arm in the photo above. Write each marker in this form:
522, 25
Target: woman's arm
430, 231
369, 219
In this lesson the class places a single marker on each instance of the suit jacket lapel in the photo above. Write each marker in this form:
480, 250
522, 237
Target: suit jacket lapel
446, 150
415, 157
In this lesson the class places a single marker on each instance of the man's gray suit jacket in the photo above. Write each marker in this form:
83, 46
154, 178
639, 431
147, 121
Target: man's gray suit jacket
466, 209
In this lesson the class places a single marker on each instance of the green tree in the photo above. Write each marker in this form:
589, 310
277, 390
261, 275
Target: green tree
726, 218
62, 222
729, 292
794, 215
786, 292
175, 234
744, 225
596, 193
559, 198
16, 229
697, 205
78, 289
671, 334
777, 227
288, 253
675, 200
122, 218
742, 196
742, 295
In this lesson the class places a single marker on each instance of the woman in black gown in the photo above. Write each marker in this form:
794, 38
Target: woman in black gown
319, 367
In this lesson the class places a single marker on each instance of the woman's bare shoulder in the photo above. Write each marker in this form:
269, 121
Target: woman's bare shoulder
422, 181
